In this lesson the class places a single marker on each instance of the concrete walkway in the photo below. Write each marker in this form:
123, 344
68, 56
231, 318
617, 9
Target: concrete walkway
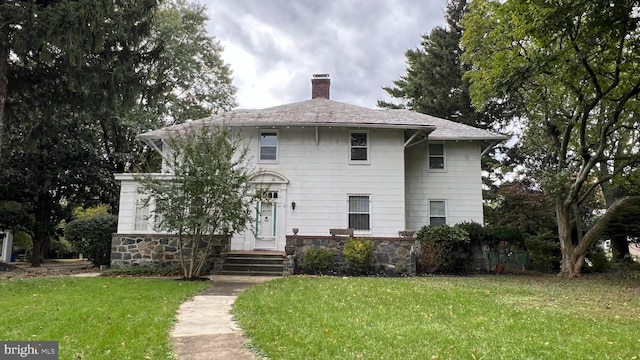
205, 329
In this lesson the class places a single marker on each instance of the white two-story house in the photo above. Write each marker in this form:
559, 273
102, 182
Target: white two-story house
329, 165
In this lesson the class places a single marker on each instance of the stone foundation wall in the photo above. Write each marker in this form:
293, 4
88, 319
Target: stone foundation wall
159, 250
392, 256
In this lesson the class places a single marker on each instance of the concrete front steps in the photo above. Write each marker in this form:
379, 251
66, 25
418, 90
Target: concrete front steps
253, 263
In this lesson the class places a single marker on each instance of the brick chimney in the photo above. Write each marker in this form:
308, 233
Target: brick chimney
320, 84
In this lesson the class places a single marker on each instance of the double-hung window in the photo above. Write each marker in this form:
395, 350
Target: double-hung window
359, 212
436, 157
142, 215
269, 146
437, 212
358, 147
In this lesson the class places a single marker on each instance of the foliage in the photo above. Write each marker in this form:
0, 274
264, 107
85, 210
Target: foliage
544, 252
597, 260
475, 230
96, 318
504, 235
521, 204
99, 209
440, 247
462, 317
577, 78
358, 253
207, 193
22, 240
91, 236
81, 83
317, 259
434, 81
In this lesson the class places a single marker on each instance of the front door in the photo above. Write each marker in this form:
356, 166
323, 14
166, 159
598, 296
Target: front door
266, 222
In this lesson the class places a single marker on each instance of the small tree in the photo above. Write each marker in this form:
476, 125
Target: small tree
208, 193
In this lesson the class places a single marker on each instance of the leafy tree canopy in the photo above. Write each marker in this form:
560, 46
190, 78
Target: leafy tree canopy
573, 65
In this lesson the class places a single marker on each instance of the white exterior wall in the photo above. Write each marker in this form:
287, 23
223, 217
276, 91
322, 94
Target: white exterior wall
459, 185
321, 179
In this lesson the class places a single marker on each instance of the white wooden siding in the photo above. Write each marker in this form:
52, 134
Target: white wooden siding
460, 184
320, 177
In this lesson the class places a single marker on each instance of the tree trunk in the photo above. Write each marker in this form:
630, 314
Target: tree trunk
573, 256
36, 252
570, 263
619, 247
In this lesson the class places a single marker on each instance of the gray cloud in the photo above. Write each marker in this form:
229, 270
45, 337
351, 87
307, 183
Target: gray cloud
360, 43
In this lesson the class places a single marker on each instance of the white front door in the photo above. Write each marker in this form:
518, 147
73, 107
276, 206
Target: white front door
267, 222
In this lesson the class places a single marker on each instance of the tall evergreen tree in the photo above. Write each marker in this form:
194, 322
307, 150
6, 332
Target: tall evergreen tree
68, 65
85, 77
434, 82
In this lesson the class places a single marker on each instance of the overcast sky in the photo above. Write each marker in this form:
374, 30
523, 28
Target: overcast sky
274, 46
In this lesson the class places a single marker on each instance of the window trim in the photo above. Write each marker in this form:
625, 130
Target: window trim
444, 156
277, 146
370, 213
368, 147
446, 210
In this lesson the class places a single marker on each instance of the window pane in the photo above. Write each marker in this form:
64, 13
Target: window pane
269, 139
359, 204
267, 153
359, 221
436, 163
437, 221
436, 149
359, 140
437, 208
358, 153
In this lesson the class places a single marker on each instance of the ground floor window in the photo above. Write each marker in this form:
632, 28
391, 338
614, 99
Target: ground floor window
437, 212
359, 212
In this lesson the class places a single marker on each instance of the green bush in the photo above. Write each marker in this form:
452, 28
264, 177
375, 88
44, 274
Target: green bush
476, 232
599, 262
317, 259
92, 237
440, 247
358, 253
544, 252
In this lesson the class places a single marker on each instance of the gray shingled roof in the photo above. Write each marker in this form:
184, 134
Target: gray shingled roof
323, 112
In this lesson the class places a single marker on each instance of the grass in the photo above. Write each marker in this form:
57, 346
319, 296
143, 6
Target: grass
480, 317
94, 318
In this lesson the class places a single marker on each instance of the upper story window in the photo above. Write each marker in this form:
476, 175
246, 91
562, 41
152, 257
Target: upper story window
437, 212
269, 145
436, 157
359, 147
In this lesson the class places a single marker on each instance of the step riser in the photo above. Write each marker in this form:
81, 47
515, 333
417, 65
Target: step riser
249, 264
253, 268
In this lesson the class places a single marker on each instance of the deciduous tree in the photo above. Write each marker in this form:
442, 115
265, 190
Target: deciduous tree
574, 66
207, 192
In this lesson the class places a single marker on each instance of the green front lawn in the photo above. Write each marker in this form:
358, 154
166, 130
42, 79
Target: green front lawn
95, 318
480, 317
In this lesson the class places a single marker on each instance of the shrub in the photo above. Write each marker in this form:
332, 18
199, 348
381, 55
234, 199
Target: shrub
544, 252
476, 232
317, 259
596, 261
92, 237
358, 253
440, 246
